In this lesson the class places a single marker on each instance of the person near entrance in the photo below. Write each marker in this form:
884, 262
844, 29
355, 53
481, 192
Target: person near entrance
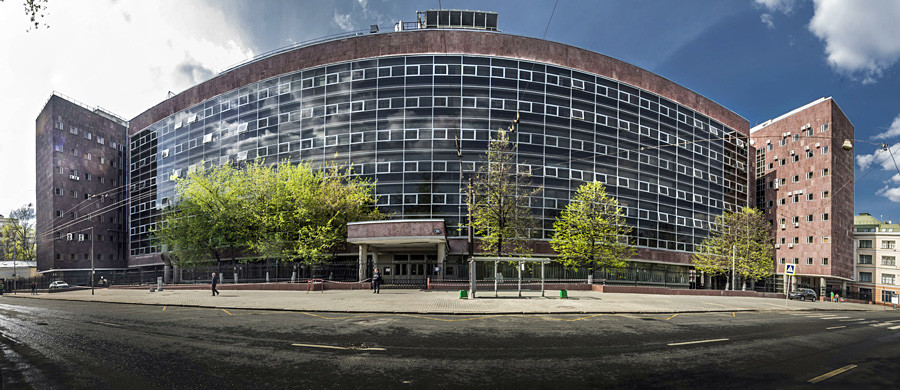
215, 280
376, 282
33, 288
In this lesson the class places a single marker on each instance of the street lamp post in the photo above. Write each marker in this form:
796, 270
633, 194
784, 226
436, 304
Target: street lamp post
733, 254
471, 231
92, 260
15, 254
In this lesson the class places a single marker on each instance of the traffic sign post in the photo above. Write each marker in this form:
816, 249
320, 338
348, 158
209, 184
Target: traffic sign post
789, 271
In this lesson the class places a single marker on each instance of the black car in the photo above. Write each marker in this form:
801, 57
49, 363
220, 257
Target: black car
803, 294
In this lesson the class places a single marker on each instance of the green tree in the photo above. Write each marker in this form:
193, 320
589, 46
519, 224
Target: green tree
591, 231
306, 211
289, 212
211, 217
18, 235
501, 211
743, 234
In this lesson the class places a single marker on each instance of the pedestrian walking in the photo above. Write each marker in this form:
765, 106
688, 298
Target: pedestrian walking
376, 282
215, 280
33, 288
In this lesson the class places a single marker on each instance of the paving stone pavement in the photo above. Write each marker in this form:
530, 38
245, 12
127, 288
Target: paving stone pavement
442, 302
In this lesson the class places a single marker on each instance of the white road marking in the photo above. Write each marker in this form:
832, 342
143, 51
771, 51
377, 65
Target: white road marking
335, 347
881, 324
835, 327
107, 323
696, 342
832, 318
854, 320
894, 327
832, 373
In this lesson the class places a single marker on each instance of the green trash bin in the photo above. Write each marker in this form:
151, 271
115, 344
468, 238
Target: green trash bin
463, 294
563, 293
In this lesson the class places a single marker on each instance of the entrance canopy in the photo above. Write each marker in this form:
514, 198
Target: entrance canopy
397, 235
496, 260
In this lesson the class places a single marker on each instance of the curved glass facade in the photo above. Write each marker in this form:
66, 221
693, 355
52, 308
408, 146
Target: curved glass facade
394, 120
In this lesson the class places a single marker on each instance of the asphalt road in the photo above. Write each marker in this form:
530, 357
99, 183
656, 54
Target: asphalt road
53, 344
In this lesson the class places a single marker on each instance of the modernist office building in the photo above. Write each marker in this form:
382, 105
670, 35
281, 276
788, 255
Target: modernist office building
80, 194
804, 182
391, 105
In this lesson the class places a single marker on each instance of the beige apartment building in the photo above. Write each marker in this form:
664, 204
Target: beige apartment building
875, 266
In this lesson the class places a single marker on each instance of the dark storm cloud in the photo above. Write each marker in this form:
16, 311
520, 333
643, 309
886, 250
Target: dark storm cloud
192, 71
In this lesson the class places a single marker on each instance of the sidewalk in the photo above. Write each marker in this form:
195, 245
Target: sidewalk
442, 302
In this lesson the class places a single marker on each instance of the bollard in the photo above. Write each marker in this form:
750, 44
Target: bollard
159, 283
563, 294
463, 294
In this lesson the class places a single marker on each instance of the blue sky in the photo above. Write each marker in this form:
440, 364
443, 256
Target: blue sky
759, 58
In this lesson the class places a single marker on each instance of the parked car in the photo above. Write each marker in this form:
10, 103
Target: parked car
58, 284
803, 294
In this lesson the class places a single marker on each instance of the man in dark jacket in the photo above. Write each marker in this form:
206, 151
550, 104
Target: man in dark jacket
376, 282
215, 280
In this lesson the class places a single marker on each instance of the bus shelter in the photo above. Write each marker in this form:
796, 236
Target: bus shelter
520, 261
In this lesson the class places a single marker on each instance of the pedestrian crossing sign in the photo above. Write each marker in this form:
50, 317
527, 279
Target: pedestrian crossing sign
789, 269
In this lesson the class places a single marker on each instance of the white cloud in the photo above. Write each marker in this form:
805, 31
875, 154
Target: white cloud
893, 194
123, 56
881, 157
895, 178
343, 21
363, 3
892, 131
773, 6
768, 20
783, 6
861, 37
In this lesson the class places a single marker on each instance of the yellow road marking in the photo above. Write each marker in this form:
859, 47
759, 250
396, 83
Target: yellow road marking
696, 342
164, 308
732, 314
672, 316
835, 327
832, 373
229, 313
335, 347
